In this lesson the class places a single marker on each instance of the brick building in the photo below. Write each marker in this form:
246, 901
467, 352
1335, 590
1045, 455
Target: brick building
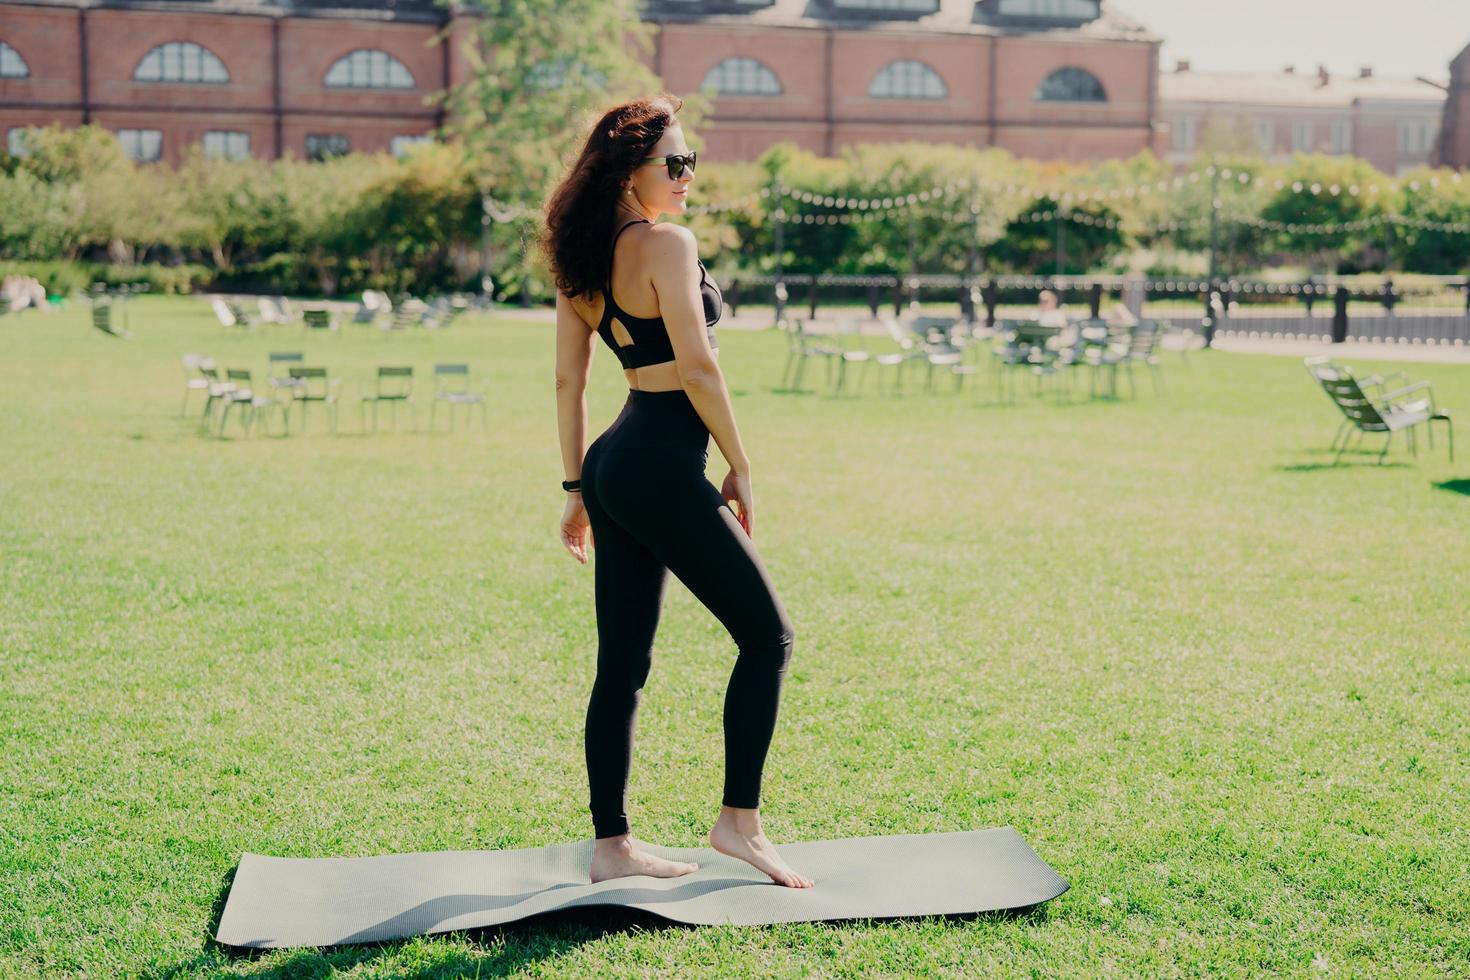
1453, 147
244, 77
1041, 78
1392, 123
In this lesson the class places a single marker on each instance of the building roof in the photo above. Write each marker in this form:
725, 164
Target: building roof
950, 17
427, 11
1299, 88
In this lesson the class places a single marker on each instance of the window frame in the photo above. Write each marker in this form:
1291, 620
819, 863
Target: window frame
316, 157
207, 58
925, 74
124, 133
389, 61
8, 52
204, 143
761, 71
1102, 89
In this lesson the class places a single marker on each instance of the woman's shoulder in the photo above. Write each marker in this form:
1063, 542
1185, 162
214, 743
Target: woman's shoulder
670, 241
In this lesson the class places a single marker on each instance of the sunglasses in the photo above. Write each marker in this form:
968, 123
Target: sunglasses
677, 163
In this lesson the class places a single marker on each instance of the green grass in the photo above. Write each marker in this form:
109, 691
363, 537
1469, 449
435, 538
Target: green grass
1216, 683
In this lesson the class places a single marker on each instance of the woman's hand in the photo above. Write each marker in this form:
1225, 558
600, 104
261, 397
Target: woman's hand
736, 489
575, 526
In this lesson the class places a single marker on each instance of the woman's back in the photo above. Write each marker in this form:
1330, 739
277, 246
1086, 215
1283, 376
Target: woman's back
640, 339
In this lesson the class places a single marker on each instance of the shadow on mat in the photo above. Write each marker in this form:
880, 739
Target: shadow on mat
545, 936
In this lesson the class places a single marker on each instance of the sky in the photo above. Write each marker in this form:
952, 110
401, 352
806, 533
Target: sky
1399, 38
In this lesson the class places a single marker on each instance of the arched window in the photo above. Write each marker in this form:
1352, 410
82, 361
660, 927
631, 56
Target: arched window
907, 79
741, 76
12, 65
368, 68
181, 61
1071, 85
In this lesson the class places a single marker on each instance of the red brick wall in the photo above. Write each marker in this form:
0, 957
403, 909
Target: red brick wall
740, 128
50, 41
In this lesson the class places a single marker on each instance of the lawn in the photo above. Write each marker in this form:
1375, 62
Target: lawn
1217, 683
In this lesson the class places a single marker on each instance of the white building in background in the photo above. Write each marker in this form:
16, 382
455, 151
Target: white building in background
1391, 122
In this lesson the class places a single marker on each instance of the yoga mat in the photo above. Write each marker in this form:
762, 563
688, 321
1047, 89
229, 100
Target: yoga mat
277, 902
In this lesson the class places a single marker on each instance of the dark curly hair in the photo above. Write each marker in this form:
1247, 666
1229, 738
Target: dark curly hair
580, 212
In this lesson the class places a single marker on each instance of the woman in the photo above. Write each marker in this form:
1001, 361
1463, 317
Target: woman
639, 495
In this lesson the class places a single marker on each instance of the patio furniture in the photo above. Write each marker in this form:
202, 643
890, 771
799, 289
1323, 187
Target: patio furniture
318, 319
393, 386
373, 302
802, 345
314, 386
276, 363
195, 379
223, 313
1024, 346
1369, 405
452, 387
274, 309
103, 320
1140, 346
242, 393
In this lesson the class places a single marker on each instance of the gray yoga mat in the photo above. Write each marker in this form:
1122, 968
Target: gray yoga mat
282, 902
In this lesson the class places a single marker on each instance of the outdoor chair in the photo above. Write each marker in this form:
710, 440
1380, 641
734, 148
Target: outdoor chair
103, 320
1024, 347
318, 319
1063, 356
232, 314
842, 353
394, 386
1368, 405
802, 345
452, 387
242, 393
274, 310
276, 363
946, 355
441, 313
219, 387
373, 302
1140, 346
403, 318
223, 313
314, 386
194, 378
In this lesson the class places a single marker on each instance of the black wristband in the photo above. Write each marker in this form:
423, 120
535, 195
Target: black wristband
570, 485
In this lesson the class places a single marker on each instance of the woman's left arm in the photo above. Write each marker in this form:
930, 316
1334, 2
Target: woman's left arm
574, 350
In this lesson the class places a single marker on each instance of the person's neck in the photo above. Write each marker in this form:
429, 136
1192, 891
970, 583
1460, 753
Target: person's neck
628, 211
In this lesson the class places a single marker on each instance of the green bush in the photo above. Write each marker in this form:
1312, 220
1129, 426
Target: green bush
61, 278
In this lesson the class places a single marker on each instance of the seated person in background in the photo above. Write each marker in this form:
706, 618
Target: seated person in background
22, 291
1049, 310
1121, 315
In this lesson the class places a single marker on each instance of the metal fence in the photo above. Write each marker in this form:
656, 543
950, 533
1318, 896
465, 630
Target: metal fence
1434, 310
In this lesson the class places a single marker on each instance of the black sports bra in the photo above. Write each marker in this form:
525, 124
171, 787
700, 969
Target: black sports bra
651, 343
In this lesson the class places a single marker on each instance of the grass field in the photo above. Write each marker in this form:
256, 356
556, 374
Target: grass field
1220, 685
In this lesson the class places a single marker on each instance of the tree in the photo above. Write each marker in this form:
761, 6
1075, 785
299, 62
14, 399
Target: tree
1434, 196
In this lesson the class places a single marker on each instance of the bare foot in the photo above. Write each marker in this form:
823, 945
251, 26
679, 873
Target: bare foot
618, 857
738, 833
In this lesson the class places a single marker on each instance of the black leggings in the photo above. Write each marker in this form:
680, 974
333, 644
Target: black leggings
652, 511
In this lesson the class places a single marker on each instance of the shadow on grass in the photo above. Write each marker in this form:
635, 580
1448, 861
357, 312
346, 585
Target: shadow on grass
1354, 458
1346, 464
1455, 486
